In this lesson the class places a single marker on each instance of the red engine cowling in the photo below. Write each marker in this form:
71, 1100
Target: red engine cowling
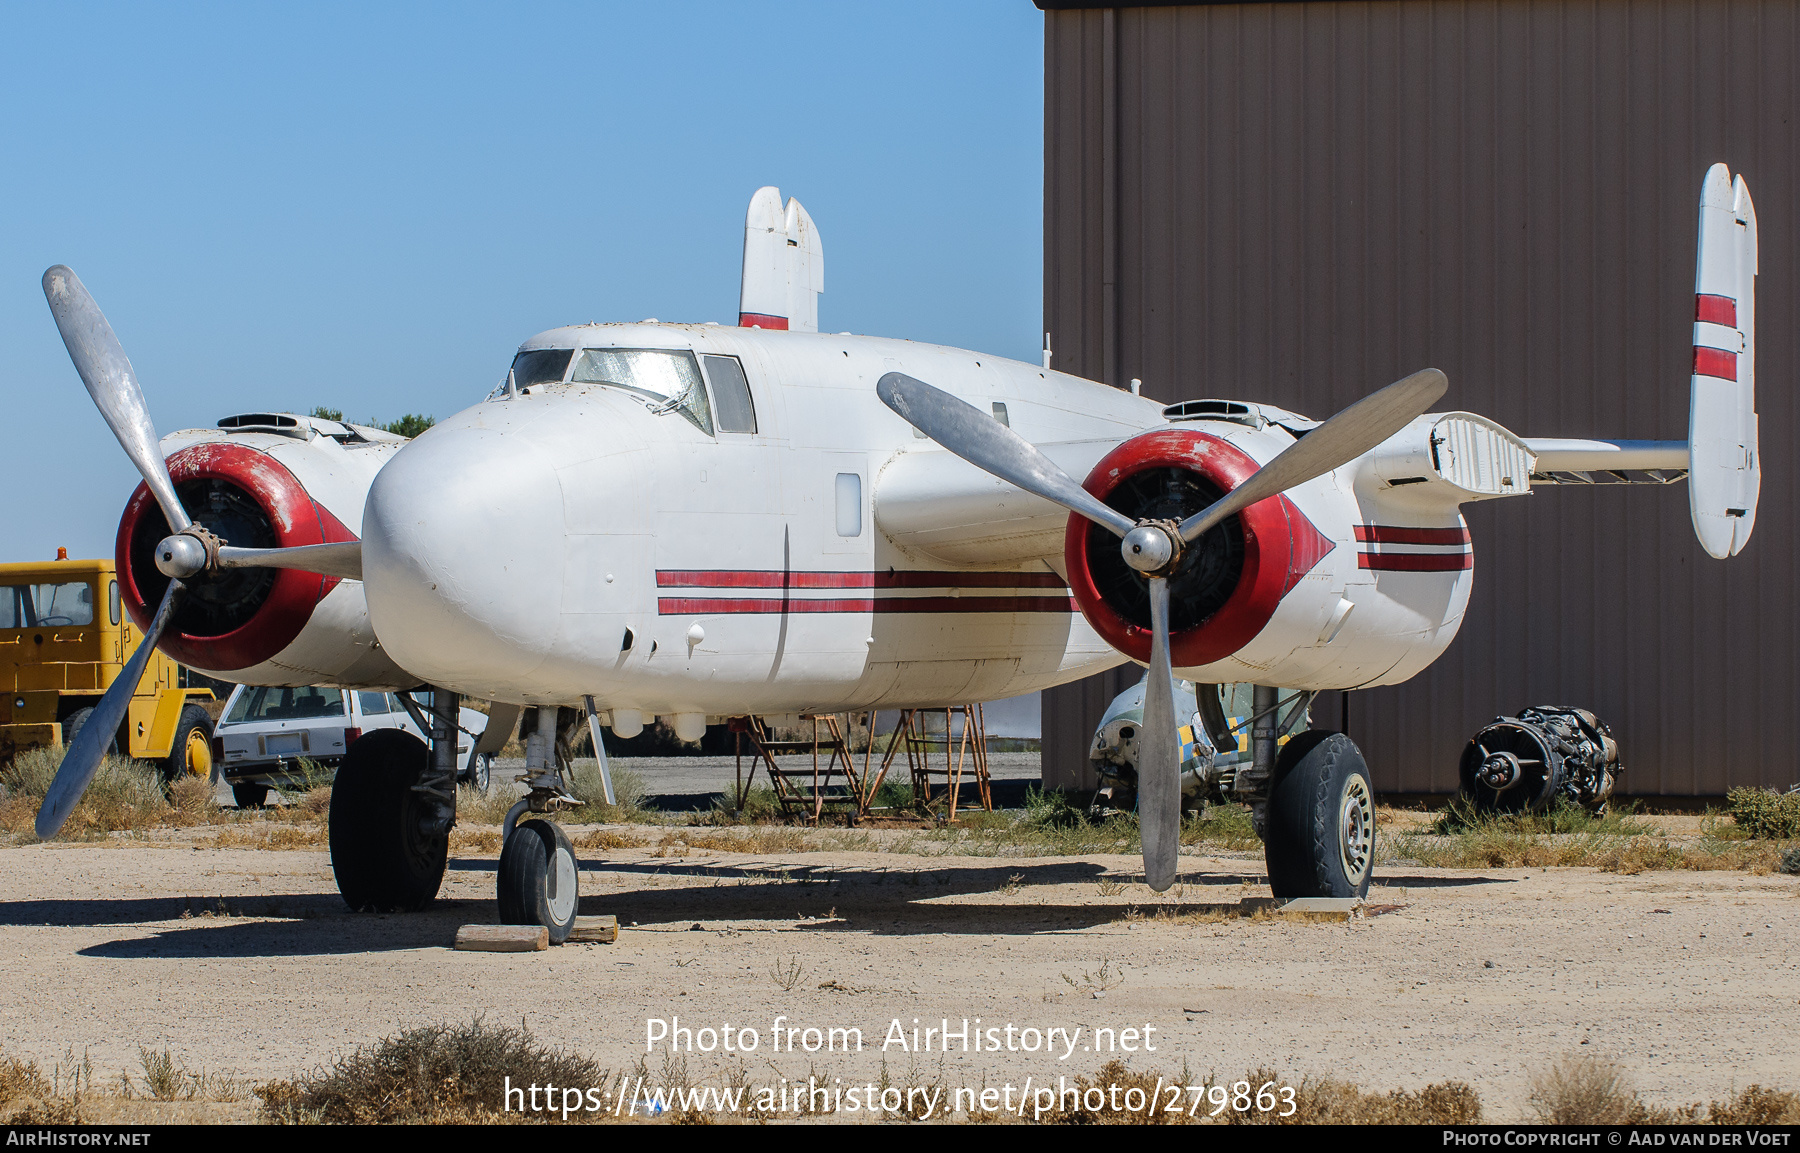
237, 618
1228, 583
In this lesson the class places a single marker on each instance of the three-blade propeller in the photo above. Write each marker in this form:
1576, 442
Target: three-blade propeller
110, 380
1151, 550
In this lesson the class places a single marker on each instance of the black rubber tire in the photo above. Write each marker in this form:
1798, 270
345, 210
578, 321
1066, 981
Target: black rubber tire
382, 858
175, 767
1319, 777
535, 864
72, 725
250, 796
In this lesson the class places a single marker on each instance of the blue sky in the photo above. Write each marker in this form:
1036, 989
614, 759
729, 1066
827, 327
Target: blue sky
369, 206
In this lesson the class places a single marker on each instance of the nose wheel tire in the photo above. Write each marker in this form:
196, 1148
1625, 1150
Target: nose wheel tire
539, 881
1321, 829
383, 850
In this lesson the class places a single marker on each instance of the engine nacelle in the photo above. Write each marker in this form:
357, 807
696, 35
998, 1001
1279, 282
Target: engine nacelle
264, 481
1227, 585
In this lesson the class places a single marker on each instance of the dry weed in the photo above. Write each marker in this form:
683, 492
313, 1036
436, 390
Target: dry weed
432, 1075
1588, 1090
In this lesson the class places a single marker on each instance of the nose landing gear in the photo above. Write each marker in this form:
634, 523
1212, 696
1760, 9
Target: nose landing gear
539, 876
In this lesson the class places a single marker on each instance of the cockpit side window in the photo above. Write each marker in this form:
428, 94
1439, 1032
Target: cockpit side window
668, 378
541, 366
731, 394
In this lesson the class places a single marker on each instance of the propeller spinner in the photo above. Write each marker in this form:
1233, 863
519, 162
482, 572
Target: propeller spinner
1153, 548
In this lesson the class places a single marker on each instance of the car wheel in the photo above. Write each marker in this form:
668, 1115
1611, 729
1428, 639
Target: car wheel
250, 796
73, 723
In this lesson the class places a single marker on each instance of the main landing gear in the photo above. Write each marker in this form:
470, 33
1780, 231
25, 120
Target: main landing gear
1310, 798
1320, 835
393, 803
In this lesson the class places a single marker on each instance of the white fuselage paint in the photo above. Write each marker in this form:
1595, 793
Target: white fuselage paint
511, 550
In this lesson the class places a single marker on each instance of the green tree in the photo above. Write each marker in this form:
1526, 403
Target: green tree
412, 424
324, 413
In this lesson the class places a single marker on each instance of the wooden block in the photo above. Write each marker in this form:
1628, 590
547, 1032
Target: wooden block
596, 930
1319, 908
503, 938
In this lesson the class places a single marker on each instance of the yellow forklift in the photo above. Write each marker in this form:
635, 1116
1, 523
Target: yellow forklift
63, 640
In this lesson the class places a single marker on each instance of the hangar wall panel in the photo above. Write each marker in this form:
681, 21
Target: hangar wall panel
1299, 202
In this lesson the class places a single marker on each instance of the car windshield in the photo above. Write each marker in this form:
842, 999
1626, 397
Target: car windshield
274, 704
32, 606
668, 377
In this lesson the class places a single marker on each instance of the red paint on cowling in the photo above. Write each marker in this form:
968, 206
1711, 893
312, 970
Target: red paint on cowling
1280, 546
297, 520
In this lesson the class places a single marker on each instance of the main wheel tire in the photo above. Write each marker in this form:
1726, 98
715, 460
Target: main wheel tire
73, 723
381, 854
250, 796
540, 879
191, 754
1321, 828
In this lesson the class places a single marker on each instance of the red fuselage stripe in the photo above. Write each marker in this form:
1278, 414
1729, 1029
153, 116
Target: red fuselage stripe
1710, 309
772, 579
1715, 362
1390, 534
758, 320
681, 606
1416, 561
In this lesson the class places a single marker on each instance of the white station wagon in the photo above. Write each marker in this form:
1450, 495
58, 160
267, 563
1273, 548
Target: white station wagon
265, 732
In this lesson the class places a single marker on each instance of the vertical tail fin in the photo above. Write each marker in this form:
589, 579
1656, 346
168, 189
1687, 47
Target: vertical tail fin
784, 265
1724, 471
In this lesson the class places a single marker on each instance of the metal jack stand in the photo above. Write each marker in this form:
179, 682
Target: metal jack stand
965, 751
802, 792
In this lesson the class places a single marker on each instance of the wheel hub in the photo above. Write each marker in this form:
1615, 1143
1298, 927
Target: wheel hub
1356, 829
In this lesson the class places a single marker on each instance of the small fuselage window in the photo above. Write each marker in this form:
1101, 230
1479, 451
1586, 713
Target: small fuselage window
731, 394
669, 379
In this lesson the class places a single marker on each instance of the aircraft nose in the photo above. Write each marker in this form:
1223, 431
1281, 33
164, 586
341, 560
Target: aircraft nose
462, 556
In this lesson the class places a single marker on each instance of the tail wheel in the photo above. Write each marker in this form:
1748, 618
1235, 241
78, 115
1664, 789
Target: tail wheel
540, 879
191, 753
1321, 831
383, 852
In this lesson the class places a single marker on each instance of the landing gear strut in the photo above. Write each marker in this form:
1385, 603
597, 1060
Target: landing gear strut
539, 876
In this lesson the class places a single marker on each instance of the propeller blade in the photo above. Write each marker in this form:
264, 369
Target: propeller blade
1159, 754
107, 372
82, 758
342, 559
1338, 441
992, 447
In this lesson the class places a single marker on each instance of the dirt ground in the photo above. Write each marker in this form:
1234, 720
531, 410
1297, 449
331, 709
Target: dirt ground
244, 962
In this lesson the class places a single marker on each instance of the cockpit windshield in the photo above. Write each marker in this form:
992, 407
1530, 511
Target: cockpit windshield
670, 379
541, 366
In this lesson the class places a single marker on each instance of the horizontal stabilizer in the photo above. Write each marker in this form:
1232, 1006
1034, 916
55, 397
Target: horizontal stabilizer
1724, 472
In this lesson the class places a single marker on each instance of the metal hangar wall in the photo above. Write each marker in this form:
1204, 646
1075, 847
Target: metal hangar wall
1300, 202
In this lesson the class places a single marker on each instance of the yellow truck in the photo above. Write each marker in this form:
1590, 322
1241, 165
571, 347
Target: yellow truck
63, 640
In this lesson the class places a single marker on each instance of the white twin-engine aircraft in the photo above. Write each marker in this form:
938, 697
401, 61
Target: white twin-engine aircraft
701, 521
